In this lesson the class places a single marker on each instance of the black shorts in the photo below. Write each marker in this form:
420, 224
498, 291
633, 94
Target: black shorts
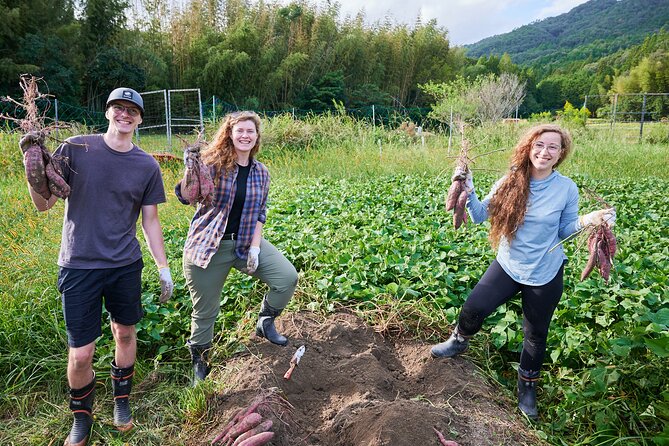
82, 292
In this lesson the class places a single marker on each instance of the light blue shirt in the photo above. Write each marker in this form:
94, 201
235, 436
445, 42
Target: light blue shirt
552, 216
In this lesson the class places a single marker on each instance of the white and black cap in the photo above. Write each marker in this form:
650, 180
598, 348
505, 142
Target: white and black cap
126, 94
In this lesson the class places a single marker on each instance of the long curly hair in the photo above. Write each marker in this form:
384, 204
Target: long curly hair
508, 205
220, 153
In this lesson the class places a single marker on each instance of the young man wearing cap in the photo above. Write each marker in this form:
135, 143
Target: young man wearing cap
112, 181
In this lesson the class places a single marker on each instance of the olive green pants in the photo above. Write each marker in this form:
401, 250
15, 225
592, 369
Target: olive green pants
206, 284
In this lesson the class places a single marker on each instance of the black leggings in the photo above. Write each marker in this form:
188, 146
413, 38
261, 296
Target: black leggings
496, 288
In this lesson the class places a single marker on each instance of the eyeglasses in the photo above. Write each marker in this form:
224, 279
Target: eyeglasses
131, 111
551, 148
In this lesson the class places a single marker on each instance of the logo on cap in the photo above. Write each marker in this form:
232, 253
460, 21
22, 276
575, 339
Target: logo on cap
127, 94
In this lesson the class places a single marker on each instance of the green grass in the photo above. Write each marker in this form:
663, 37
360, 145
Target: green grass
359, 210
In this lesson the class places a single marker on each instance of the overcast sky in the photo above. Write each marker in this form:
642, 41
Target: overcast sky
467, 21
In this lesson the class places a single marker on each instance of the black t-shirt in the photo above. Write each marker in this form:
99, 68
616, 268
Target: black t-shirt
240, 197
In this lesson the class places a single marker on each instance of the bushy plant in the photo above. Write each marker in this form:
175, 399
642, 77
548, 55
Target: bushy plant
572, 115
541, 117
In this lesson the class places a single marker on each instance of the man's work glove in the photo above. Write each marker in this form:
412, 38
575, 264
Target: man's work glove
188, 159
460, 173
596, 218
252, 259
30, 139
166, 284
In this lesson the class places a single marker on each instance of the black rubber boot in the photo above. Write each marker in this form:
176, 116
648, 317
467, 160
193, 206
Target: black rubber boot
265, 326
455, 345
527, 392
122, 385
199, 355
81, 404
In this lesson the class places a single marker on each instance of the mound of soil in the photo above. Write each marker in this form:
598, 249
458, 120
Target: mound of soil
354, 387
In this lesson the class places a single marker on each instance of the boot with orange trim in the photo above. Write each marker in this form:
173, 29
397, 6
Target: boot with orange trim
122, 384
527, 392
81, 404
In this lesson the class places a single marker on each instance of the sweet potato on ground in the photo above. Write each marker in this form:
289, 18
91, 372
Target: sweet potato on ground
258, 439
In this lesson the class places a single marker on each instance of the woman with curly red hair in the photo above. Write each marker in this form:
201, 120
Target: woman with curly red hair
531, 209
228, 234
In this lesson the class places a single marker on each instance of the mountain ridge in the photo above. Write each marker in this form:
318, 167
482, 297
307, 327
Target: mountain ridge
593, 29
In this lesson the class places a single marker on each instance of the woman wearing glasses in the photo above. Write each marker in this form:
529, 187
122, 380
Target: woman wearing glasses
531, 209
228, 234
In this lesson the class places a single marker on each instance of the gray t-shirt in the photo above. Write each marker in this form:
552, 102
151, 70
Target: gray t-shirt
109, 189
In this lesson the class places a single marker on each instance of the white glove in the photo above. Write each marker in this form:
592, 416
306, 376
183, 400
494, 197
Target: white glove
166, 284
188, 160
252, 259
30, 139
596, 218
464, 173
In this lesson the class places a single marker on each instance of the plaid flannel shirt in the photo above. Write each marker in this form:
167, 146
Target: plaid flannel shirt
208, 224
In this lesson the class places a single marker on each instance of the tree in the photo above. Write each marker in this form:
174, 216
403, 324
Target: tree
485, 99
499, 97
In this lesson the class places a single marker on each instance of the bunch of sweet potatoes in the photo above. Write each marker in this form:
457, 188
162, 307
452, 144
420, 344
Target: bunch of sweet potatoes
44, 175
248, 427
602, 247
456, 199
197, 185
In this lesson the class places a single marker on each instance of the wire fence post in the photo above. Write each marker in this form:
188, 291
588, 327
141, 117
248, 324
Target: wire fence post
213, 108
55, 109
613, 112
168, 119
199, 102
643, 112
373, 118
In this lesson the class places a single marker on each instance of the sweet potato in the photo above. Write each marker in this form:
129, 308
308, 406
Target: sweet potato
460, 207
258, 439
57, 184
453, 194
235, 418
35, 168
190, 186
206, 185
442, 440
592, 255
604, 262
262, 427
248, 422
611, 241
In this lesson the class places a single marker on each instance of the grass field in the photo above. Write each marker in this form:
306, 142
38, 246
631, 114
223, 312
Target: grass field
359, 211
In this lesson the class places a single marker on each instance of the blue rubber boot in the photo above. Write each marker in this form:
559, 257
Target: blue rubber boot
527, 392
455, 345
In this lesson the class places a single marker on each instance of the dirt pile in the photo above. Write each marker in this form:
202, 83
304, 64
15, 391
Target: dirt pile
355, 387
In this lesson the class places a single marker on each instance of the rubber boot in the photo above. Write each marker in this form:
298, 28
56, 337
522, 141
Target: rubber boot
81, 404
265, 327
455, 345
122, 385
527, 392
199, 355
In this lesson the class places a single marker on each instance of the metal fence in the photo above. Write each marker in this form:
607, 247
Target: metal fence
641, 108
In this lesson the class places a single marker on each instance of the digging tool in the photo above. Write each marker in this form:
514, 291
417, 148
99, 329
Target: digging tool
294, 361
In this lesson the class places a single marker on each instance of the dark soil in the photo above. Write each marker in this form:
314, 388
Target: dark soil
356, 387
